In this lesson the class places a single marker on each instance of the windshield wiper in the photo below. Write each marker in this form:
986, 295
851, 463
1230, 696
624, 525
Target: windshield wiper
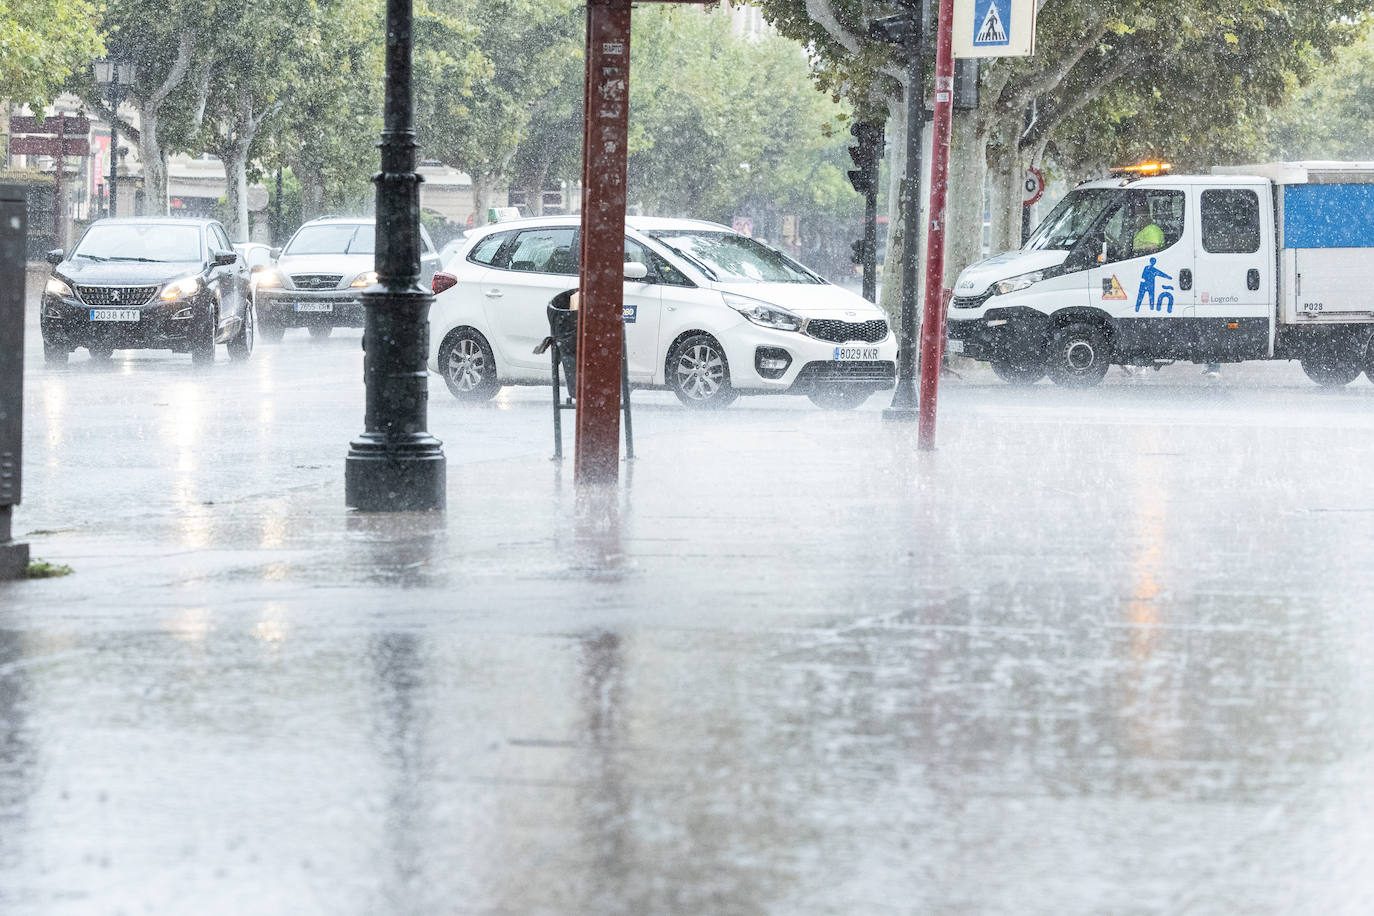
128, 258
89, 257
711, 274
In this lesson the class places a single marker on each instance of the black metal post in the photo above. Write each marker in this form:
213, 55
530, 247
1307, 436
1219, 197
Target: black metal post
1026, 208
904, 395
396, 465
114, 142
870, 265
14, 558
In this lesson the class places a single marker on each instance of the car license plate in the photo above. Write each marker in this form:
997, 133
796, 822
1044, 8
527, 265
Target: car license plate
844, 354
314, 306
114, 314
954, 346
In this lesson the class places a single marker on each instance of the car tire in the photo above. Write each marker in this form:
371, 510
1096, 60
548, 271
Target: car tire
203, 339
699, 374
468, 366
1340, 362
1021, 373
1079, 355
241, 347
841, 397
55, 355
269, 331
320, 331
101, 354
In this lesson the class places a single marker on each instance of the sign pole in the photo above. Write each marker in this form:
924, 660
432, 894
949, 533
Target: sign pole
600, 330
933, 319
903, 406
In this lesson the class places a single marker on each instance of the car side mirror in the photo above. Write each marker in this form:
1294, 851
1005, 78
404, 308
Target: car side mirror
56, 256
635, 270
226, 258
274, 253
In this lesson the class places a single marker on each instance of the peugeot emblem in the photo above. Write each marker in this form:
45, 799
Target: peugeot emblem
851, 314
114, 295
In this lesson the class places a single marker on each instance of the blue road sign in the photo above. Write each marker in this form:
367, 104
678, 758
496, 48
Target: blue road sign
991, 23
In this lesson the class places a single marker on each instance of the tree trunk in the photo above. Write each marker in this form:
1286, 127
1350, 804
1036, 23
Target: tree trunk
964, 209
236, 192
156, 201
1004, 178
890, 293
534, 194
310, 176
483, 186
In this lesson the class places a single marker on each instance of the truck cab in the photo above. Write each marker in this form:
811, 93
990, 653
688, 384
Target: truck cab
1147, 267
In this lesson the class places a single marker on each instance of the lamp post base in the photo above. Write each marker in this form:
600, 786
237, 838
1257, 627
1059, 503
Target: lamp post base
904, 402
387, 477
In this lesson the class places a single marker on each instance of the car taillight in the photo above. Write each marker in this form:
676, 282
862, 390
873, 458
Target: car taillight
443, 281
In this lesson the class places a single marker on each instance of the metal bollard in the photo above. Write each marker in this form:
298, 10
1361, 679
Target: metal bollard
14, 558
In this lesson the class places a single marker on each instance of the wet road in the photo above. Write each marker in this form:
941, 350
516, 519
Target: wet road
1103, 652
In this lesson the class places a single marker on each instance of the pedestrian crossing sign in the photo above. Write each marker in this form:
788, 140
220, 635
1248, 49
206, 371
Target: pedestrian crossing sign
994, 28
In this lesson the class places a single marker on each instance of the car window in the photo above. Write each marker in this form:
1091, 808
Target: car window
546, 251
424, 240
1230, 221
140, 242
1142, 222
333, 238
732, 258
485, 251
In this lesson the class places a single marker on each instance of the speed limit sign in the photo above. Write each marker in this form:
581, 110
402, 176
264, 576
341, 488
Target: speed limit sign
1033, 185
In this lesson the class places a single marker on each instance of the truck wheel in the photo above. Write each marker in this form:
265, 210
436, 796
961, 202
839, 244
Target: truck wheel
1078, 355
1332, 369
1020, 372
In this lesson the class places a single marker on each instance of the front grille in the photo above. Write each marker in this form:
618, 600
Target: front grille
316, 281
970, 302
847, 331
115, 295
855, 371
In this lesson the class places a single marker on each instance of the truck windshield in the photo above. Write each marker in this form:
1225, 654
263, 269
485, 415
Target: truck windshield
1068, 222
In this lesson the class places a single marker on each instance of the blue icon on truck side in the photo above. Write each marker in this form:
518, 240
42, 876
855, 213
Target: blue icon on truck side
1147, 288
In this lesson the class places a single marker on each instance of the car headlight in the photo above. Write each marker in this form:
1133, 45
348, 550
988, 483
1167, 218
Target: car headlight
1020, 281
268, 279
364, 279
58, 287
763, 314
186, 286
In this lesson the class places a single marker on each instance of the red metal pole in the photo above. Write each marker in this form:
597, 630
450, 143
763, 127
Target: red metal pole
599, 332
933, 315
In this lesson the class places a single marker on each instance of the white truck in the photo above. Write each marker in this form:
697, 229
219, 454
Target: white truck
1272, 261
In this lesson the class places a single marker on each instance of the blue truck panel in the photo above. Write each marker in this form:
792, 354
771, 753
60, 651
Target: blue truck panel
1328, 215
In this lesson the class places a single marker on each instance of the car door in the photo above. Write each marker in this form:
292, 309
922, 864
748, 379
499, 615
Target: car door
228, 280
537, 265
1142, 273
643, 313
1234, 285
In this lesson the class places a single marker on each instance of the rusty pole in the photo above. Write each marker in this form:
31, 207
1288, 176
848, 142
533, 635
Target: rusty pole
933, 317
599, 332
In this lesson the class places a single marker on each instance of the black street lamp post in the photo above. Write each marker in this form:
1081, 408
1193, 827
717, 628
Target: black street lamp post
396, 465
114, 77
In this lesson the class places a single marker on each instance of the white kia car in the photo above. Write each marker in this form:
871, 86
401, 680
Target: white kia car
709, 314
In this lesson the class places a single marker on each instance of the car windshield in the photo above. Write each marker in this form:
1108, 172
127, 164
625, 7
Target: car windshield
334, 238
134, 242
731, 258
1068, 222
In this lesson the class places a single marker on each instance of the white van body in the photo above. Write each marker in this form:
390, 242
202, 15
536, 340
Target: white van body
1271, 261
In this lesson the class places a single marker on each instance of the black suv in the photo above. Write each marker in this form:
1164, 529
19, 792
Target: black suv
149, 283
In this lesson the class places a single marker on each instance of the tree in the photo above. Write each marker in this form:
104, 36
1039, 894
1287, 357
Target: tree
487, 69
1333, 116
42, 44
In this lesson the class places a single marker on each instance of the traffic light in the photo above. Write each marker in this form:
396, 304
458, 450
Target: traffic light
863, 252
867, 153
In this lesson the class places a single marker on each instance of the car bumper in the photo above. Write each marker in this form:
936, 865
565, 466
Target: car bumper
756, 355
167, 326
296, 308
997, 335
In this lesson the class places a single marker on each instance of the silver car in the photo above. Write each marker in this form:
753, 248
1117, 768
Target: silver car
318, 279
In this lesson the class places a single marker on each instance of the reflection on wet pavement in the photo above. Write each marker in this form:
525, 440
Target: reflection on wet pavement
1103, 652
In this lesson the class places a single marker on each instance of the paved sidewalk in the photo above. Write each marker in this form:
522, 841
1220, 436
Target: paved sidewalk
1101, 652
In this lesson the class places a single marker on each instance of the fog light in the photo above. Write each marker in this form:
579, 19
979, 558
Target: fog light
772, 362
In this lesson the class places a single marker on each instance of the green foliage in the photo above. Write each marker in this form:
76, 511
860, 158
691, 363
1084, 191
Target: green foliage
42, 569
1333, 116
720, 123
42, 44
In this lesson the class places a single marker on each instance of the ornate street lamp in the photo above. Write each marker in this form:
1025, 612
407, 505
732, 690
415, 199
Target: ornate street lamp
396, 465
114, 77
